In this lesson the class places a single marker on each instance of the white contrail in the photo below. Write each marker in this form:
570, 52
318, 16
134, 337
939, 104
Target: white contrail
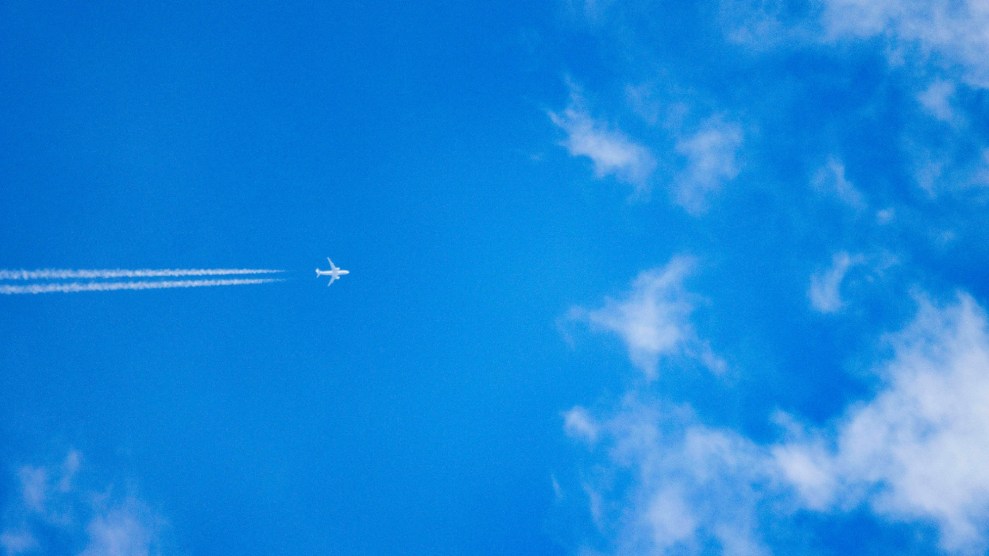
73, 287
62, 274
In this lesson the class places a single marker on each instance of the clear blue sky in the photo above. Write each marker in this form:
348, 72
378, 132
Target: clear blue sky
626, 278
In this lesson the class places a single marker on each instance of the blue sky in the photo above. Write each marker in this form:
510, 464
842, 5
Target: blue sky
627, 278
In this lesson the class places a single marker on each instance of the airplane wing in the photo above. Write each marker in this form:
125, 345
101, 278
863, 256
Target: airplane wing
332, 266
332, 279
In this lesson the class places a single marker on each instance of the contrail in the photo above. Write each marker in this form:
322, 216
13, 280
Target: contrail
73, 287
62, 274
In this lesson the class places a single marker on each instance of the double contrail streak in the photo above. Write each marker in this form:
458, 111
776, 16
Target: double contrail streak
72, 287
62, 280
64, 274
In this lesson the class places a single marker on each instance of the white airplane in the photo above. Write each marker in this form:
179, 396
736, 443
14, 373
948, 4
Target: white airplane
334, 272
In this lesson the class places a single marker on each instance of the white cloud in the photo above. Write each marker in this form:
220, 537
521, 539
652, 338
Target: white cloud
936, 100
97, 522
699, 159
955, 31
885, 216
950, 170
653, 319
34, 487
611, 151
711, 160
749, 23
128, 529
763, 24
830, 179
670, 484
17, 542
690, 485
809, 468
70, 466
825, 286
915, 452
918, 449
579, 424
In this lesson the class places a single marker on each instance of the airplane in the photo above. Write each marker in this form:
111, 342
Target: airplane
334, 272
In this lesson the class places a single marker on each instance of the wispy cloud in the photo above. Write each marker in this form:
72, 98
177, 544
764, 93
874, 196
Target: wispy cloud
51, 505
34, 487
761, 24
954, 32
689, 485
698, 156
711, 159
126, 528
830, 180
653, 319
960, 167
936, 99
825, 286
578, 423
18, 542
611, 151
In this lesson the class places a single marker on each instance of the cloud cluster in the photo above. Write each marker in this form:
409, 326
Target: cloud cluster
53, 514
917, 449
668, 483
702, 160
914, 451
954, 32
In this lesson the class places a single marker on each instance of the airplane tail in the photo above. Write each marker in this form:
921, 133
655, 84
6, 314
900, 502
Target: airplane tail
317, 273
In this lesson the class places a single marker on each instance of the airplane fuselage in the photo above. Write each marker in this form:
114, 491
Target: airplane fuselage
331, 273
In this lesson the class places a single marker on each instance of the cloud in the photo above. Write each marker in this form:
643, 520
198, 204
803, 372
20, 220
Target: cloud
710, 156
124, 529
611, 151
17, 542
961, 167
913, 452
763, 24
52, 511
942, 45
917, 450
954, 32
578, 423
830, 179
698, 155
34, 487
808, 468
688, 485
825, 286
936, 100
653, 319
